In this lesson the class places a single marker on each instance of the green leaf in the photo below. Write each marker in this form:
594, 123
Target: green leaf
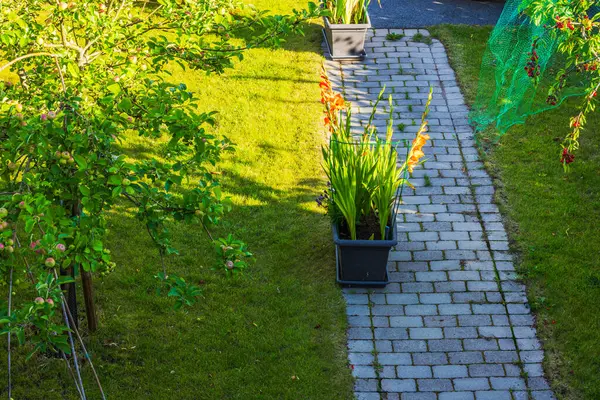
114, 88
125, 104
29, 224
84, 190
114, 180
97, 245
81, 161
21, 336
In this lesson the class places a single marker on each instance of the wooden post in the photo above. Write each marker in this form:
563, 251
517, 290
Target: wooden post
88, 296
86, 283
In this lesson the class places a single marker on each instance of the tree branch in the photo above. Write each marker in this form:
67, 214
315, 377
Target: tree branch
30, 55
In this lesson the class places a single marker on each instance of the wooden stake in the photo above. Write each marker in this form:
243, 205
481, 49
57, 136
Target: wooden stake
88, 296
86, 283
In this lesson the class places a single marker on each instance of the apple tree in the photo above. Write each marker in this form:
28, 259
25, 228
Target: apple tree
79, 75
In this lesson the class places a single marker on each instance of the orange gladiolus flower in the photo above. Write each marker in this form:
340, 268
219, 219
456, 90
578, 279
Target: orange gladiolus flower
337, 102
416, 151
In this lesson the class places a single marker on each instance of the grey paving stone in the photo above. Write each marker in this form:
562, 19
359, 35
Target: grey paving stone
410, 371
391, 333
360, 333
357, 310
394, 359
387, 371
471, 384
359, 321
513, 369
495, 331
454, 286
356, 299
361, 358
430, 358
533, 370
468, 297
537, 383
456, 396
507, 344
454, 309
488, 309
501, 356
465, 357
418, 396
439, 321
368, 396
486, 370
387, 310
508, 383
474, 320
402, 298
421, 309
425, 333
365, 385
445, 345
450, 371
435, 298
364, 371
411, 345
493, 395
434, 385
543, 395
360, 345
406, 322
417, 287
532, 356
460, 333
381, 322
431, 276
398, 385
383, 346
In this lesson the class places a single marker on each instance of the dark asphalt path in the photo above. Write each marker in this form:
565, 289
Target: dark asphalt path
423, 13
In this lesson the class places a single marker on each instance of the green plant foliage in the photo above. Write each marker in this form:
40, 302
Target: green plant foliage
363, 173
420, 38
347, 11
86, 75
540, 53
394, 37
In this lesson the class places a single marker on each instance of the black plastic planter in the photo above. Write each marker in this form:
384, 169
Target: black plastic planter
346, 41
363, 262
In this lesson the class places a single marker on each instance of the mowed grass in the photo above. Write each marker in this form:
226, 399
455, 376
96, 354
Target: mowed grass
278, 332
553, 219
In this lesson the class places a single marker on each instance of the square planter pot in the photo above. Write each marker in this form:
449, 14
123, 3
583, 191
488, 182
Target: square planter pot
346, 41
363, 262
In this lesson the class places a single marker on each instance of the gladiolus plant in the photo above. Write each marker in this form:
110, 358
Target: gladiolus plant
364, 175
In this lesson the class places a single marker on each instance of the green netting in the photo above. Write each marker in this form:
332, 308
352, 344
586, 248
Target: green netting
506, 93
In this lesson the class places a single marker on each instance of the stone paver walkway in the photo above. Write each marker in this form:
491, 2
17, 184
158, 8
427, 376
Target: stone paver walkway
453, 323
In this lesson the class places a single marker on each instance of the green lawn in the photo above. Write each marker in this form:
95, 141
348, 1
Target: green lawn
277, 332
553, 219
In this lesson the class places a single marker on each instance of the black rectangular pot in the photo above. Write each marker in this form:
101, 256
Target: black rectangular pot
363, 262
346, 41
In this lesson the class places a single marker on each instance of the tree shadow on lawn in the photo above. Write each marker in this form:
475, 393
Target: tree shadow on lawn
309, 42
247, 335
